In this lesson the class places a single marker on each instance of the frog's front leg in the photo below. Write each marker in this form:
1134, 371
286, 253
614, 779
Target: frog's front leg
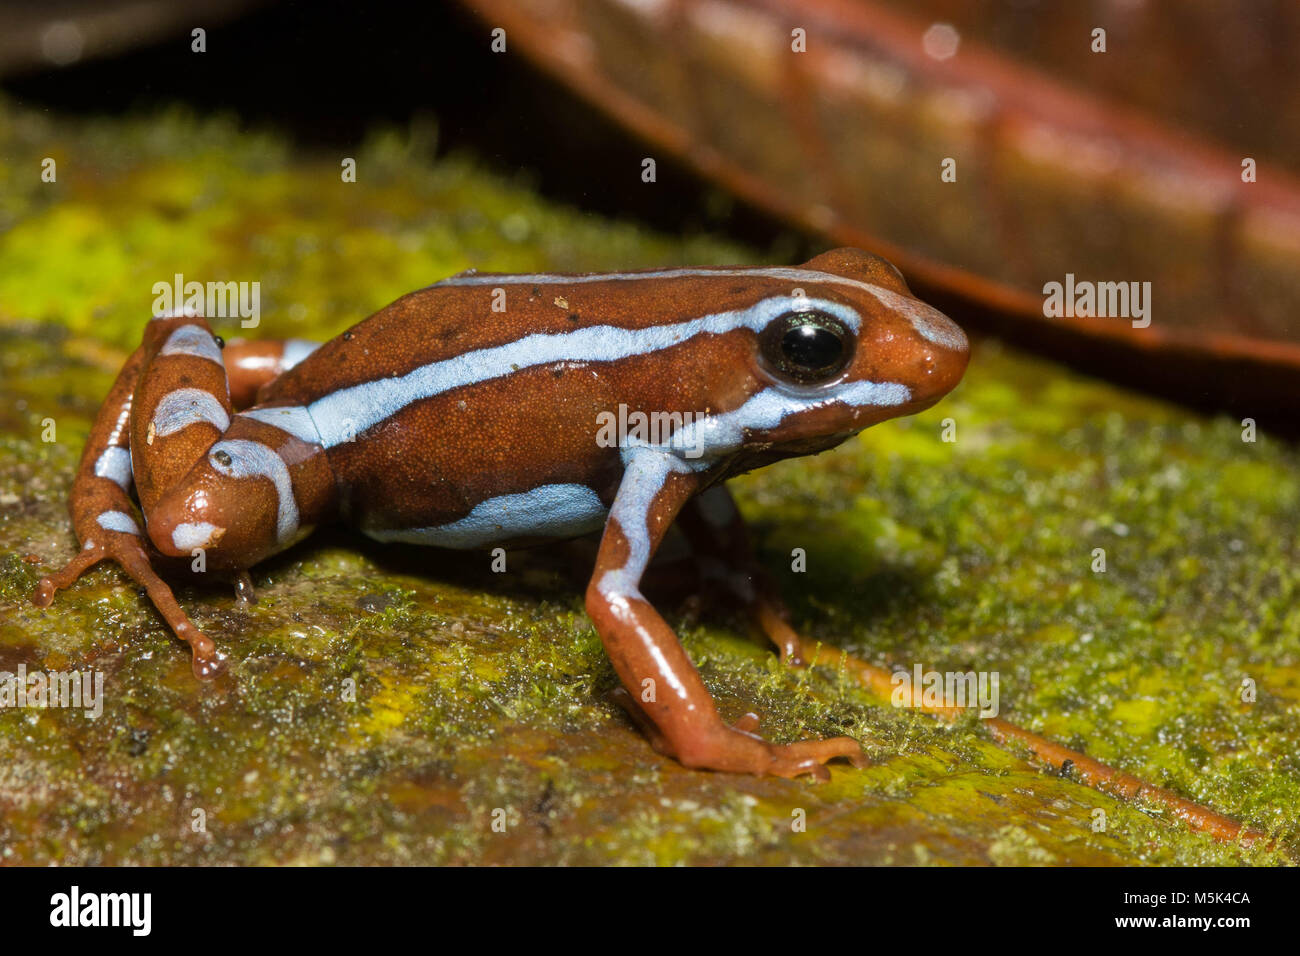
658, 676
102, 512
166, 431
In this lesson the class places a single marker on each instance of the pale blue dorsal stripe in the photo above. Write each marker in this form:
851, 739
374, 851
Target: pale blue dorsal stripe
930, 323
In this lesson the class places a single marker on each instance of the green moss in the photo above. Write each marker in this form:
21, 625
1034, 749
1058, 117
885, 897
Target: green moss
392, 705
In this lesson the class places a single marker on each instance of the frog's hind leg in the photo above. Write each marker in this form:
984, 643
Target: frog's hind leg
100, 503
716, 531
170, 402
251, 364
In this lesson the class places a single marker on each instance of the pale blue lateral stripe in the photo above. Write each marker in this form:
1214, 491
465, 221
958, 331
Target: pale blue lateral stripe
343, 414
293, 419
548, 511
647, 467
566, 510
722, 434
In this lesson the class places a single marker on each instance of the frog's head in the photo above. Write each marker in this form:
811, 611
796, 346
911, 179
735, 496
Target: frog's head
850, 346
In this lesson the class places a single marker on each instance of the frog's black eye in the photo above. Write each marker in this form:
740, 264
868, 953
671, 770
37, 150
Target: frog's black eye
806, 346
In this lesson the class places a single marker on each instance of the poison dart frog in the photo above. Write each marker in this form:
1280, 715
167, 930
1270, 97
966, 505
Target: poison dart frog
474, 414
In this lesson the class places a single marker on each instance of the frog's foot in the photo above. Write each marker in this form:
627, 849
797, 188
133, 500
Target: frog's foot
245, 593
125, 549
739, 749
770, 618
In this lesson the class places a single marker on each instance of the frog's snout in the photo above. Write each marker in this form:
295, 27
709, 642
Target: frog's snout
942, 350
179, 527
916, 345
939, 370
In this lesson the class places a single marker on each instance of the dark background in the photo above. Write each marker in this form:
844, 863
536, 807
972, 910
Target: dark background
324, 74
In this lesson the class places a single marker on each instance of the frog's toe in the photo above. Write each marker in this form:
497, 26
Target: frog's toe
125, 549
810, 756
748, 724
90, 555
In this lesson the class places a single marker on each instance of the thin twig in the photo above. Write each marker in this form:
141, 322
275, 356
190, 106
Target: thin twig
1093, 773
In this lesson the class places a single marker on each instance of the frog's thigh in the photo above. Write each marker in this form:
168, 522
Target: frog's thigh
252, 364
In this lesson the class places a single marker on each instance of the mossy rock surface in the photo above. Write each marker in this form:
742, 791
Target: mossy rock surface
480, 698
